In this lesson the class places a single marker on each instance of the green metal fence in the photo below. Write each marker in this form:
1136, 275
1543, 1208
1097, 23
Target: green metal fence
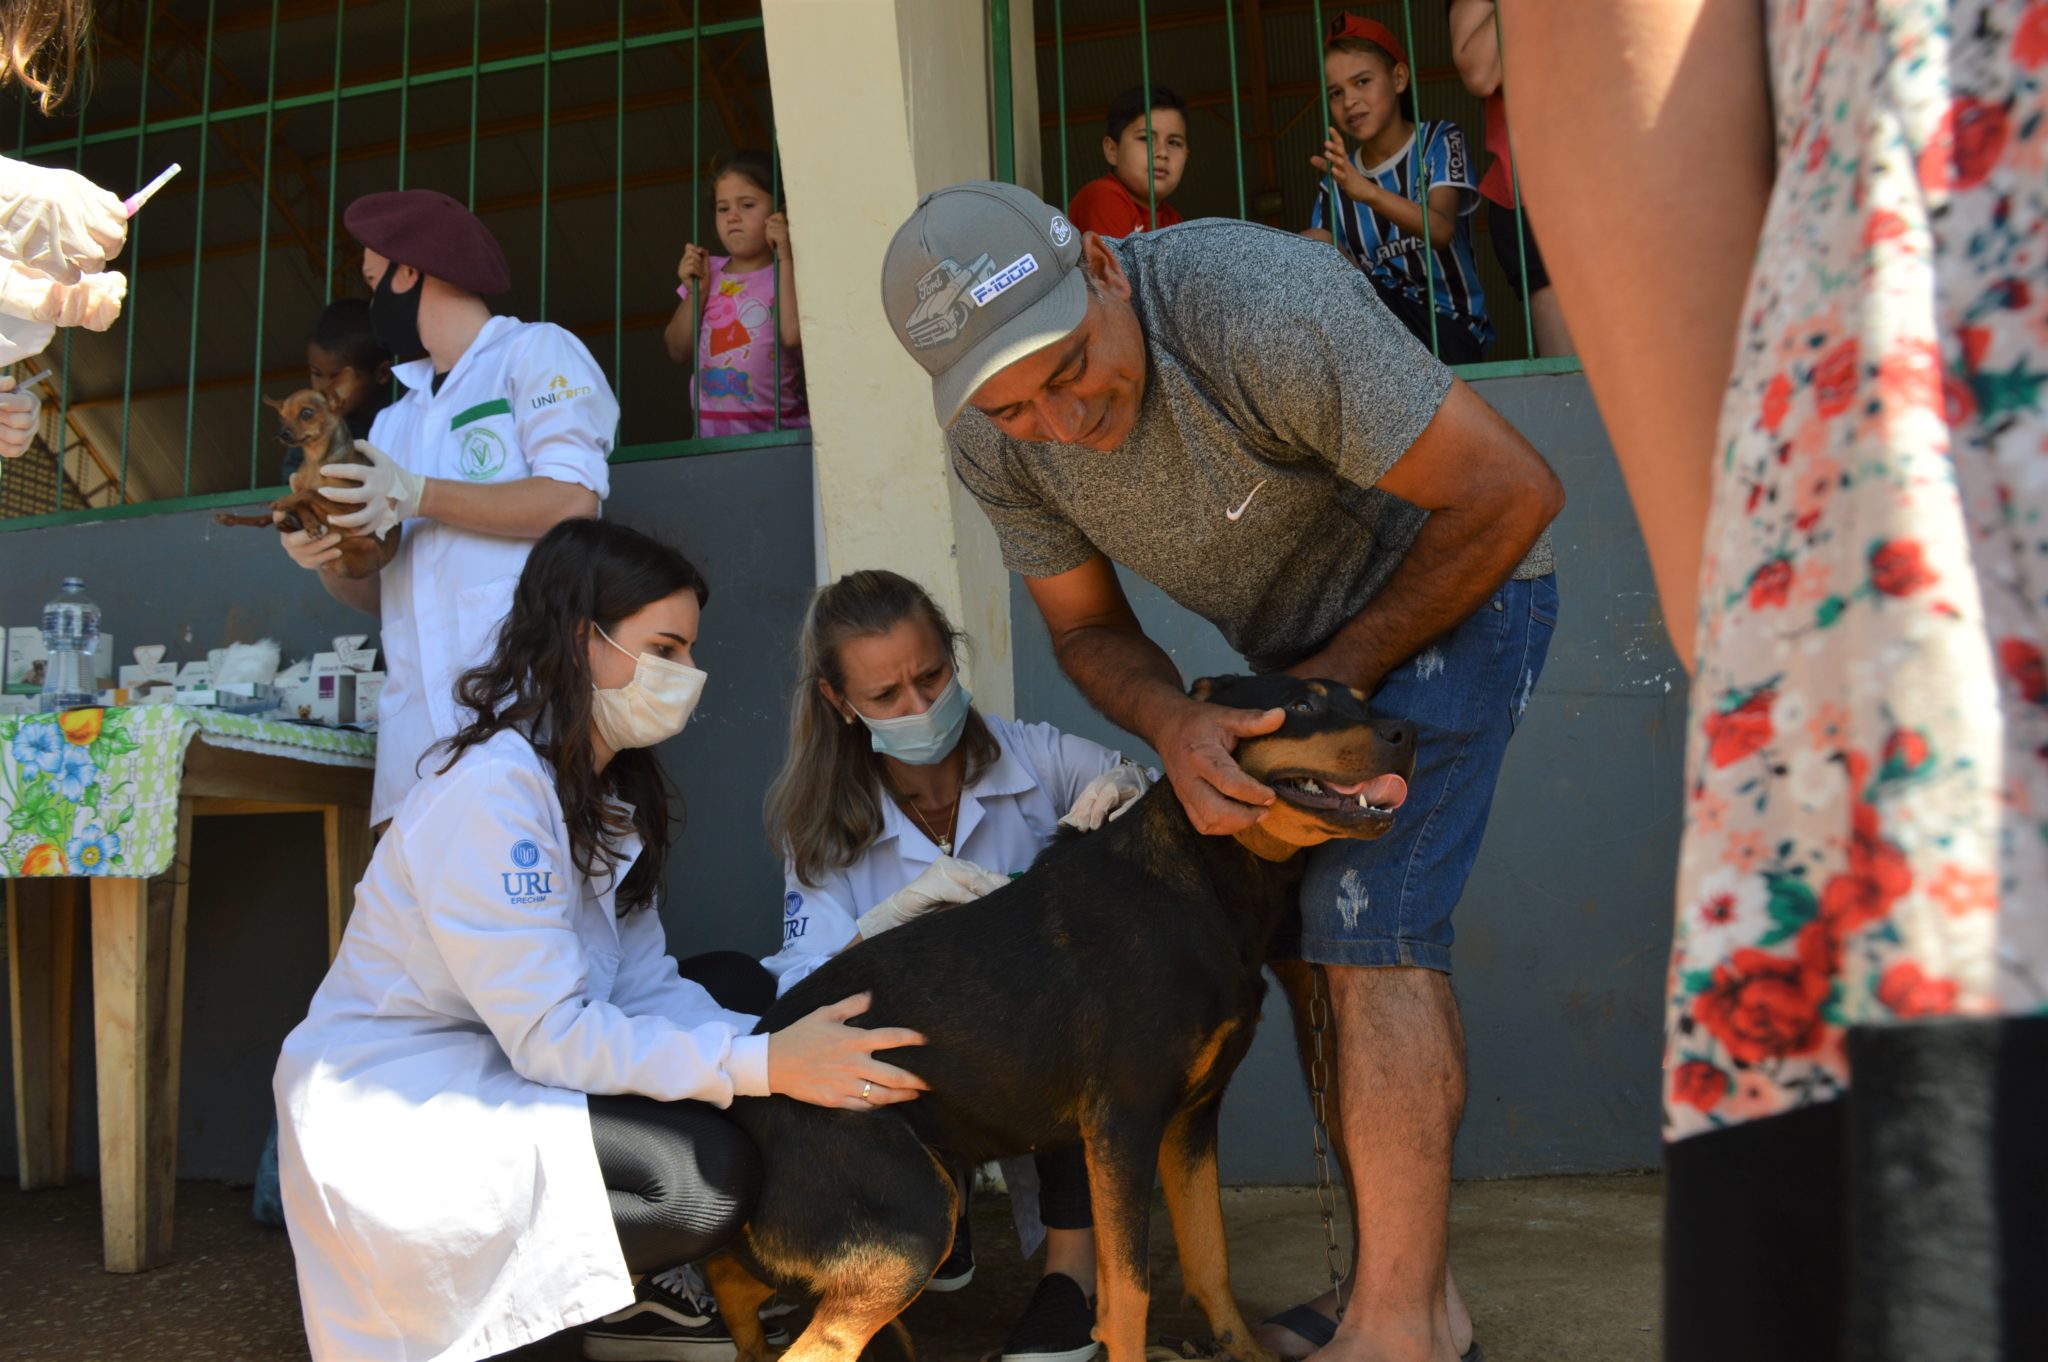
562, 125
1254, 118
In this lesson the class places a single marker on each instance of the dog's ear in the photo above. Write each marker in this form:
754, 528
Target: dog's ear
275, 404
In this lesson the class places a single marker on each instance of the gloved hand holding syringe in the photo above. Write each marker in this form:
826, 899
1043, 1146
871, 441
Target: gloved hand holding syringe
57, 231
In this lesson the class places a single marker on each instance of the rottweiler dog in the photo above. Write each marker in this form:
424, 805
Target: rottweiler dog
1106, 996
310, 421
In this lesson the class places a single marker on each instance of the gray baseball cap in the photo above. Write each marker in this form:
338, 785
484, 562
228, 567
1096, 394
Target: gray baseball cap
981, 275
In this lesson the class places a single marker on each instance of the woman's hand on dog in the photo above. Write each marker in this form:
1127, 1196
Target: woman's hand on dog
1194, 746
308, 552
823, 1061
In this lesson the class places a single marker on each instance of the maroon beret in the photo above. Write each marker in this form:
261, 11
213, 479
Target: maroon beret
434, 234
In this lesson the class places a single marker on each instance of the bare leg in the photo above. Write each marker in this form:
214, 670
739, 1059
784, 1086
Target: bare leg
1546, 314
1352, 1044
1071, 1252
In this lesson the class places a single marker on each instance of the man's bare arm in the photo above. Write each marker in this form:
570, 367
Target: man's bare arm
1490, 496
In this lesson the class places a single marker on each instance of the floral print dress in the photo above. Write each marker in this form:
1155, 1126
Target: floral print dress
1866, 833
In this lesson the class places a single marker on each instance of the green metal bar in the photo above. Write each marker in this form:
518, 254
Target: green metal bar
775, 263
618, 226
1236, 120
404, 85
718, 444
198, 246
796, 438
263, 255
1519, 368
547, 94
1515, 189
1329, 189
134, 255
1006, 127
476, 51
333, 151
696, 220
1418, 159
1059, 61
1145, 81
64, 384
496, 66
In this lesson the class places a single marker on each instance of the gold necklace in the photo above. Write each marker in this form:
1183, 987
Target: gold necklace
944, 844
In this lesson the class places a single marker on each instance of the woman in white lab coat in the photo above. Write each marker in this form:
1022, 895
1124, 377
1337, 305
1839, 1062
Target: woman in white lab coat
897, 797
504, 1100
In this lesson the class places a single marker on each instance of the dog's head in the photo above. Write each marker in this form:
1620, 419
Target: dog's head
305, 419
1338, 770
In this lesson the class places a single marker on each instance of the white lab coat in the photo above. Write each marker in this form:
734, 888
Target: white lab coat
1006, 818
434, 1149
525, 400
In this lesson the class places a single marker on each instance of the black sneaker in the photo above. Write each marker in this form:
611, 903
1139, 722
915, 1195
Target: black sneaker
958, 1269
1058, 1325
673, 1320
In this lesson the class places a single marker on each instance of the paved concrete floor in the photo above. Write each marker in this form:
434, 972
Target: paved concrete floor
1554, 1268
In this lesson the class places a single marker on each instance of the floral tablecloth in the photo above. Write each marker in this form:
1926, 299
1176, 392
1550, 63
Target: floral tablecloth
95, 791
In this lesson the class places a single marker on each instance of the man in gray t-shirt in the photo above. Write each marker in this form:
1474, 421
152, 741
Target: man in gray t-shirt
1232, 414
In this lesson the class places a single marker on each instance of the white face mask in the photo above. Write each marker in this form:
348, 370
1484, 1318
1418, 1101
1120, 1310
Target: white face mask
649, 709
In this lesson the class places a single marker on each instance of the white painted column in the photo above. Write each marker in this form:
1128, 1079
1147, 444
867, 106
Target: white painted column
878, 102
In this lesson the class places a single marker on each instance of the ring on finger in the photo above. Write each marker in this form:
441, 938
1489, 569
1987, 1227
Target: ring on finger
865, 1089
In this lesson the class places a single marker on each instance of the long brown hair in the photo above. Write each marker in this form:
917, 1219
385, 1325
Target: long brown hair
825, 807
43, 43
537, 682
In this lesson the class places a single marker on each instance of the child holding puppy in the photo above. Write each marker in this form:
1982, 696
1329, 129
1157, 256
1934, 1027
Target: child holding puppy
1380, 221
729, 301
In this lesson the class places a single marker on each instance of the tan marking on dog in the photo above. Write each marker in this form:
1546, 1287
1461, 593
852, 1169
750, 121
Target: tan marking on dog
740, 1296
1195, 1205
1121, 1300
1205, 1058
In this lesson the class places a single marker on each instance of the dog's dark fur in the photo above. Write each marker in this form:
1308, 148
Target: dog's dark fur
1105, 996
307, 419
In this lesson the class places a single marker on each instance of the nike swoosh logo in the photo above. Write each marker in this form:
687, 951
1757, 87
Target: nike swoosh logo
1233, 515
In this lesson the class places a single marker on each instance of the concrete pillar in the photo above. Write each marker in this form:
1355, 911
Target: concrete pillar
876, 103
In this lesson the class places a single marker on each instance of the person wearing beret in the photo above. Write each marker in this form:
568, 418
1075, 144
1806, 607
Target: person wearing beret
502, 434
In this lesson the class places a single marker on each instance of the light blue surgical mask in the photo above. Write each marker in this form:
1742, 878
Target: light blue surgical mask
923, 739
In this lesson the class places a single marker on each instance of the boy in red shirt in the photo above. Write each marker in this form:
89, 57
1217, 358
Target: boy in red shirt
1118, 204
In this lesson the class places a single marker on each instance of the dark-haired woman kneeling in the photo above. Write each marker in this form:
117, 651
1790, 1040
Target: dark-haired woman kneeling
503, 1103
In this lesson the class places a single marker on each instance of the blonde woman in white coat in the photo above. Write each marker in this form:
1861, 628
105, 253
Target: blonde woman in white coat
504, 1102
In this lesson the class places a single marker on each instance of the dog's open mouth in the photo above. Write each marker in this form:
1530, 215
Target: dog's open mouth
1376, 796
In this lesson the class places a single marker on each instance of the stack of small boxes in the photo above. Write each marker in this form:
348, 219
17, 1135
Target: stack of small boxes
338, 687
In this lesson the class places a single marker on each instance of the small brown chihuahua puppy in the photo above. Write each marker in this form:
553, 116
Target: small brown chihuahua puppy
307, 419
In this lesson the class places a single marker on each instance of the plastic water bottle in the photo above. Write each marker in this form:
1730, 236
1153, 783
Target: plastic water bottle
71, 634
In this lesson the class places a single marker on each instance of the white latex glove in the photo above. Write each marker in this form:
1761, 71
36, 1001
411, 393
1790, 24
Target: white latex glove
947, 880
1105, 798
308, 552
58, 222
93, 302
19, 413
389, 493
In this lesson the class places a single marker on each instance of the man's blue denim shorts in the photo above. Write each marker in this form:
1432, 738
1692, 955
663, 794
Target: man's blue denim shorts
1389, 902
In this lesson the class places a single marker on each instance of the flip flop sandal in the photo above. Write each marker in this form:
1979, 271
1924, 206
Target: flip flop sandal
1317, 1329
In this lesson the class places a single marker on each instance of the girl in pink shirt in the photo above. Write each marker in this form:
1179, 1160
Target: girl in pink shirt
730, 301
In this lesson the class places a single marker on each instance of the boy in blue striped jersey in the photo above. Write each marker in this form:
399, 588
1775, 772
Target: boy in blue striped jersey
1380, 223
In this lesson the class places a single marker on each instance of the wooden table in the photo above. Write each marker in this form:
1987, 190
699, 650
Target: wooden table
138, 982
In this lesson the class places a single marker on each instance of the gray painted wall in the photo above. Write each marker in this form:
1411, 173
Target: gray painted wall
256, 946
1561, 936
1565, 923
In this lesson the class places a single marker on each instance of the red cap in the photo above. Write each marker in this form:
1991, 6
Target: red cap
1371, 30
434, 234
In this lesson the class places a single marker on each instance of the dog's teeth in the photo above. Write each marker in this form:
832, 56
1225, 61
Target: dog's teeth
1362, 804
1311, 787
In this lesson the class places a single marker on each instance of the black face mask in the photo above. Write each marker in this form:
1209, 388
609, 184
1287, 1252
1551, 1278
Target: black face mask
395, 317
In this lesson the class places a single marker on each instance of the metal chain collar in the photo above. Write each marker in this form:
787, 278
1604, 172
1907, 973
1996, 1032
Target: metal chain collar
1318, 1081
